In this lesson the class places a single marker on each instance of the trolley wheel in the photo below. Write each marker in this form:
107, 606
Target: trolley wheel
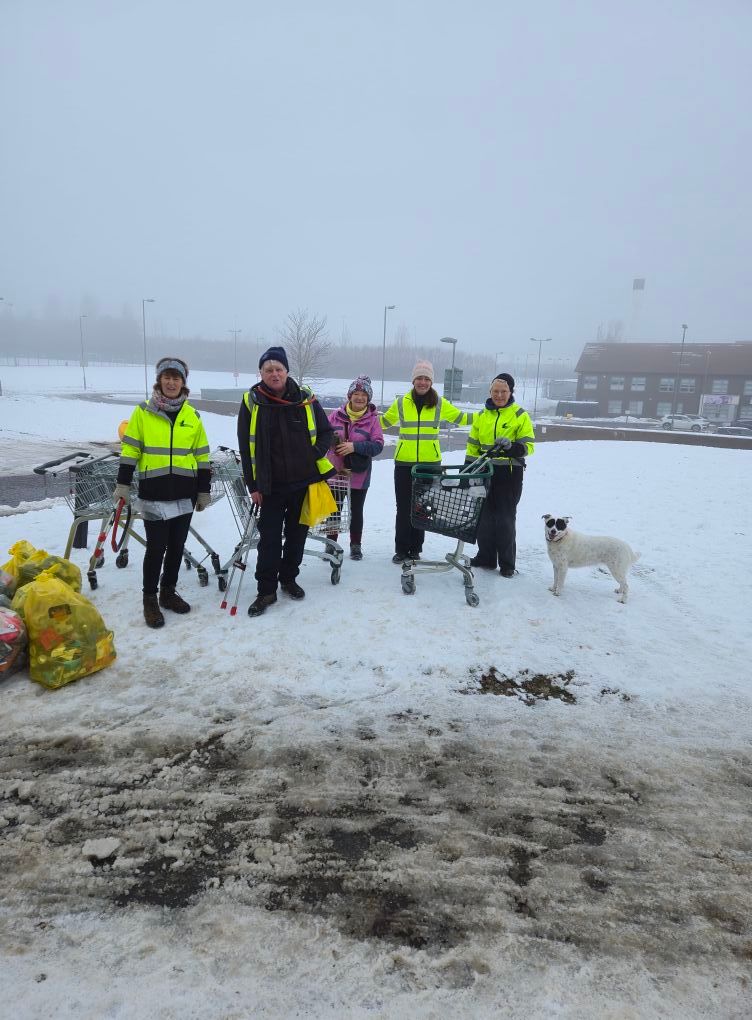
222, 583
408, 585
216, 565
203, 576
471, 598
93, 582
187, 562
122, 559
336, 574
99, 563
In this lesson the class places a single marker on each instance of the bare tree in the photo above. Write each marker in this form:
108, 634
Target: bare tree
306, 340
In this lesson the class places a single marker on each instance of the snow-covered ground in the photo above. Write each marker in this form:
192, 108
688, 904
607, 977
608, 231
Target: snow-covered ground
371, 804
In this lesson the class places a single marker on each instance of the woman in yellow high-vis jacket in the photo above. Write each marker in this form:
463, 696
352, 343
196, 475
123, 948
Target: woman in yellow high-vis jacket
166, 441
419, 414
505, 431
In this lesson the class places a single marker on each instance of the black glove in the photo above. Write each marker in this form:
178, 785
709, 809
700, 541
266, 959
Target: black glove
501, 445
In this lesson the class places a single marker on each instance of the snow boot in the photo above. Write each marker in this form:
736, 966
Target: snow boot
169, 599
356, 553
152, 612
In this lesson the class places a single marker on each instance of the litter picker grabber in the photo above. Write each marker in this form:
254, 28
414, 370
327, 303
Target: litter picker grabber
239, 562
448, 501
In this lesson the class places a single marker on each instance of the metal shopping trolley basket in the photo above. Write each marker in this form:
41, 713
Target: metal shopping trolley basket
91, 481
448, 501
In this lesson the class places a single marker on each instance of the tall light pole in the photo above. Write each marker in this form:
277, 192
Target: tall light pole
537, 375
235, 335
453, 342
81, 332
387, 308
685, 327
496, 361
144, 302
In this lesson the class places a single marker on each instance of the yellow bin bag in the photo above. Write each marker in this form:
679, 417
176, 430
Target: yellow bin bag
318, 504
67, 637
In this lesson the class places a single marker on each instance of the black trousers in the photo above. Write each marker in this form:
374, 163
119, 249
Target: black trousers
277, 562
164, 550
407, 539
497, 529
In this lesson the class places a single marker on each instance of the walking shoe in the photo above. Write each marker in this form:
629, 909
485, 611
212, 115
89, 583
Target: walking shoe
413, 556
400, 558
293, 589
356, 553
152, 612
507, 571
169, 599
261, 604
476, 561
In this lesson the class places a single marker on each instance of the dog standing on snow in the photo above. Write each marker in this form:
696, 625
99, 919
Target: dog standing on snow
568, 548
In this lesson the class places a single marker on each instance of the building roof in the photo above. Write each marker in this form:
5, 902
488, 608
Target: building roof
724, 359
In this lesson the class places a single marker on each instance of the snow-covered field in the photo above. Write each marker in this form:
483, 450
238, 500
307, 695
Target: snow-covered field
342, 809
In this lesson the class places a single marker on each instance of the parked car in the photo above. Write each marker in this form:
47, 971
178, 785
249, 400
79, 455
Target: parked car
735, 430
686, 422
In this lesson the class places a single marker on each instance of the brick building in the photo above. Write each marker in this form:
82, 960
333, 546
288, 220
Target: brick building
641, 379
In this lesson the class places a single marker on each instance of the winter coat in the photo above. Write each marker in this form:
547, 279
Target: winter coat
366, 436
419, 427
171, 452
283, 440
492, 424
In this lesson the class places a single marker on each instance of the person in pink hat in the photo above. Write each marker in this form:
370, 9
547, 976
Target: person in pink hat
419, 414
358, 440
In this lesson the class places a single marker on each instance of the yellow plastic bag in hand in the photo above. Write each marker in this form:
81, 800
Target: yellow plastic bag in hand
318, 504
67, 637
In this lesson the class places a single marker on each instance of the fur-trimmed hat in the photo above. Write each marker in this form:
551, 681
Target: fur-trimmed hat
174, 364
275, 354
507, 378
422, 368
363, 383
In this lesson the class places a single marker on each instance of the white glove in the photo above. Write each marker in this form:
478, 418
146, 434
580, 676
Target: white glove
202, 501
121, 492
503, 444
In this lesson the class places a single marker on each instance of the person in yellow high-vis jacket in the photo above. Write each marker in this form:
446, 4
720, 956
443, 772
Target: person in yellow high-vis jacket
505, 431
166, 441
419, 414
283, 437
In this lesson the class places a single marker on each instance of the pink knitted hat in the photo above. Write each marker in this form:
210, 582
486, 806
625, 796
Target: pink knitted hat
423, 368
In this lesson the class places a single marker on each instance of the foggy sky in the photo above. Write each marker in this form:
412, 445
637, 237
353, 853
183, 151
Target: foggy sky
497, 170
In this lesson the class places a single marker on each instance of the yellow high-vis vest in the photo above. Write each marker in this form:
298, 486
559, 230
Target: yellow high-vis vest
418, 441
323, 465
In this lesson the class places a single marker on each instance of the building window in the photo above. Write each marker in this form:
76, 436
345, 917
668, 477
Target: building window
590, 382
638, 383
635, 407
720, 386
748, 388
686, 385
666, 386
614, 407
663, 407
617, 382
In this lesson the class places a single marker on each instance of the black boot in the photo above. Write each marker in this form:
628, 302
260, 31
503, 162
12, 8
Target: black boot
261, 604
169, 599
356, 553
152, 613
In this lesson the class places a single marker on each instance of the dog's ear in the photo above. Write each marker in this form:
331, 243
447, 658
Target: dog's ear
545, 517
567, 519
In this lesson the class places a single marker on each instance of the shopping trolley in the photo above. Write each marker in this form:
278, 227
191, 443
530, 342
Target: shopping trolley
448, 501
91, 481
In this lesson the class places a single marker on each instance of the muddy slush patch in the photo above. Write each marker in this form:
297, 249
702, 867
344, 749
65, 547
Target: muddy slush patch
527, 688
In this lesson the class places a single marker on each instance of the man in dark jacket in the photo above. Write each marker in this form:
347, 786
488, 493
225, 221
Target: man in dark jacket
283, 436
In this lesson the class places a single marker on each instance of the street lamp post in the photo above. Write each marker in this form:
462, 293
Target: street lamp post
453, 342
144, 302
537, 375
235, 335
685, 327
81, 333
496, 361
387, 308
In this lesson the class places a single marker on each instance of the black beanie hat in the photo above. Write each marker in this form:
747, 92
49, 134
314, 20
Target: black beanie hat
508, 379
275, 354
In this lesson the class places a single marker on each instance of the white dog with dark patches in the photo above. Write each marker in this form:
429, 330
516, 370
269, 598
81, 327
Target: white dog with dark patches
567, 548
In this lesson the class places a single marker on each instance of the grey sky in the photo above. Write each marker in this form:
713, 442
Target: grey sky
496, 170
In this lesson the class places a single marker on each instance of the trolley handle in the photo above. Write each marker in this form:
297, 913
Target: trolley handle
79, 456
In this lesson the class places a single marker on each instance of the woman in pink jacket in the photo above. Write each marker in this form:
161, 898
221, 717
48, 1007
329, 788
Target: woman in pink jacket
359, 440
